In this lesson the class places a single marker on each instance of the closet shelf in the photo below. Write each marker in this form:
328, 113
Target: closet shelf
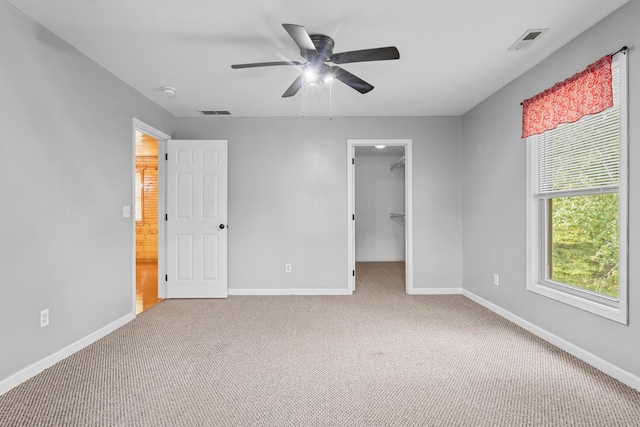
398, 217
398, 163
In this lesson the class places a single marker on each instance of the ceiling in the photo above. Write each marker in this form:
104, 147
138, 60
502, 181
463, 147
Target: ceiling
370, 150
453, 53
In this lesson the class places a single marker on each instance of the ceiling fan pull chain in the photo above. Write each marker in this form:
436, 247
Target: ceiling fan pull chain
330, 100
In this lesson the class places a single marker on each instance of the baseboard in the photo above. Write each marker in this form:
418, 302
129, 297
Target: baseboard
37, 367
256, 292
380, 260
608, 368
435, 291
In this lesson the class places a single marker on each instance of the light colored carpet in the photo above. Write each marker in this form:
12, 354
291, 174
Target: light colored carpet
377, 358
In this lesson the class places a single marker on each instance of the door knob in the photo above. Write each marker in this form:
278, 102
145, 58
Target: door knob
221, 226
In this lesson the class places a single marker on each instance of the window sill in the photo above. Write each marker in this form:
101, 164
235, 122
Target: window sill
617, 314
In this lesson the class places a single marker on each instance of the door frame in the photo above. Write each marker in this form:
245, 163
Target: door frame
162, 138
408, 200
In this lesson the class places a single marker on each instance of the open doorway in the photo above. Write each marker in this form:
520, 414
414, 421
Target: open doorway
149, 145
146, 218
380, 217
380, 206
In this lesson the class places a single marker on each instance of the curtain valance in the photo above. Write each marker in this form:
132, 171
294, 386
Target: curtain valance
588, 92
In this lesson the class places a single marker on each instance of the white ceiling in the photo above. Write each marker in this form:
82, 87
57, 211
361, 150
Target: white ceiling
370, 150
453, 53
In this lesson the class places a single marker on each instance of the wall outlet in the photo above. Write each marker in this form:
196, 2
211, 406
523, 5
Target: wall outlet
287, 268
44, 318
496, 279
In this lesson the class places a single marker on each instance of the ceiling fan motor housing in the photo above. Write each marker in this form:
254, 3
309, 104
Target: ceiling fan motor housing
324, 46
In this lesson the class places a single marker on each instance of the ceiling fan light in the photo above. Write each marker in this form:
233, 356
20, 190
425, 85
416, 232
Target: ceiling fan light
310, 76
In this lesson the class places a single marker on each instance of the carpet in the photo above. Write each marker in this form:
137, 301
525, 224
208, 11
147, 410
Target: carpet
377, 358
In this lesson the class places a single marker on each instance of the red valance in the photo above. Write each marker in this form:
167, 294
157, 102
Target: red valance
588, 92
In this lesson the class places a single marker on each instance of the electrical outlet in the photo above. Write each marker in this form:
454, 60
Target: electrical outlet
44, 318
287, 268
496, 280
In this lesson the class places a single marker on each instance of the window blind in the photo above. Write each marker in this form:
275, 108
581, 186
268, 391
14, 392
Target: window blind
582, 157
139, 194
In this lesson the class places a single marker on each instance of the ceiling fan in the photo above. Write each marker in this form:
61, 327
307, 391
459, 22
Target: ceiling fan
317, 49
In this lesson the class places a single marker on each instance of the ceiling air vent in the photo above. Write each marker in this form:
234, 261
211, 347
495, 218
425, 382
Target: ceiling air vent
215, 113
527, 39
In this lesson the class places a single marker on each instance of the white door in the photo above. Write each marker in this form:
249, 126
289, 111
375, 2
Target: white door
196, 219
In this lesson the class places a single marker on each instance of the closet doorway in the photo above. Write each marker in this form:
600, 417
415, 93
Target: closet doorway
380, 205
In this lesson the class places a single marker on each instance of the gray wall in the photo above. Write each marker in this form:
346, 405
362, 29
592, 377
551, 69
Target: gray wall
494, 197
379, 192
288, 196
65, 173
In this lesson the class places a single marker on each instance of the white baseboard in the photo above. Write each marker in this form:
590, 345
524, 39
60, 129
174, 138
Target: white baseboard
256, 292
380, 260
37, 367
608, 368
435, 291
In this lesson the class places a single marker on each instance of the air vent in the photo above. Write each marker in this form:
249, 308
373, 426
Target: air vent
215, 113
527, 39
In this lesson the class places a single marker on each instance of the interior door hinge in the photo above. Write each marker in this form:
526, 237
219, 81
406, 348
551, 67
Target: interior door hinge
353, 217
166, 217
353, 161
166, 156
354, 273
166, 277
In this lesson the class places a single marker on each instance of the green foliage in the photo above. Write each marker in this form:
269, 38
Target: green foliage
585, 242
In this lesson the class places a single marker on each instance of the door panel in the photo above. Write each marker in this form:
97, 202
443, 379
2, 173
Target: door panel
197, 219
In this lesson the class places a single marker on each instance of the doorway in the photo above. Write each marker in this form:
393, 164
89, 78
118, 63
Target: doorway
149, 145
146, 218
380, 204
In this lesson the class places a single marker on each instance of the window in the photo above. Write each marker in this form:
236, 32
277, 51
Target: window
139, 195
577, 208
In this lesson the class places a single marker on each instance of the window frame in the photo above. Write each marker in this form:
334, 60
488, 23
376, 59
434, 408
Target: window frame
537, 220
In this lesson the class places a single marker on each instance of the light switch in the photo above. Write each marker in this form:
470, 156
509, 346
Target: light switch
126, 211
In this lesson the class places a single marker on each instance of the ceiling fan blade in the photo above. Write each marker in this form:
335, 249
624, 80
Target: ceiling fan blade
378, 54
294, 88
265, 64
350, 80
301, 37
